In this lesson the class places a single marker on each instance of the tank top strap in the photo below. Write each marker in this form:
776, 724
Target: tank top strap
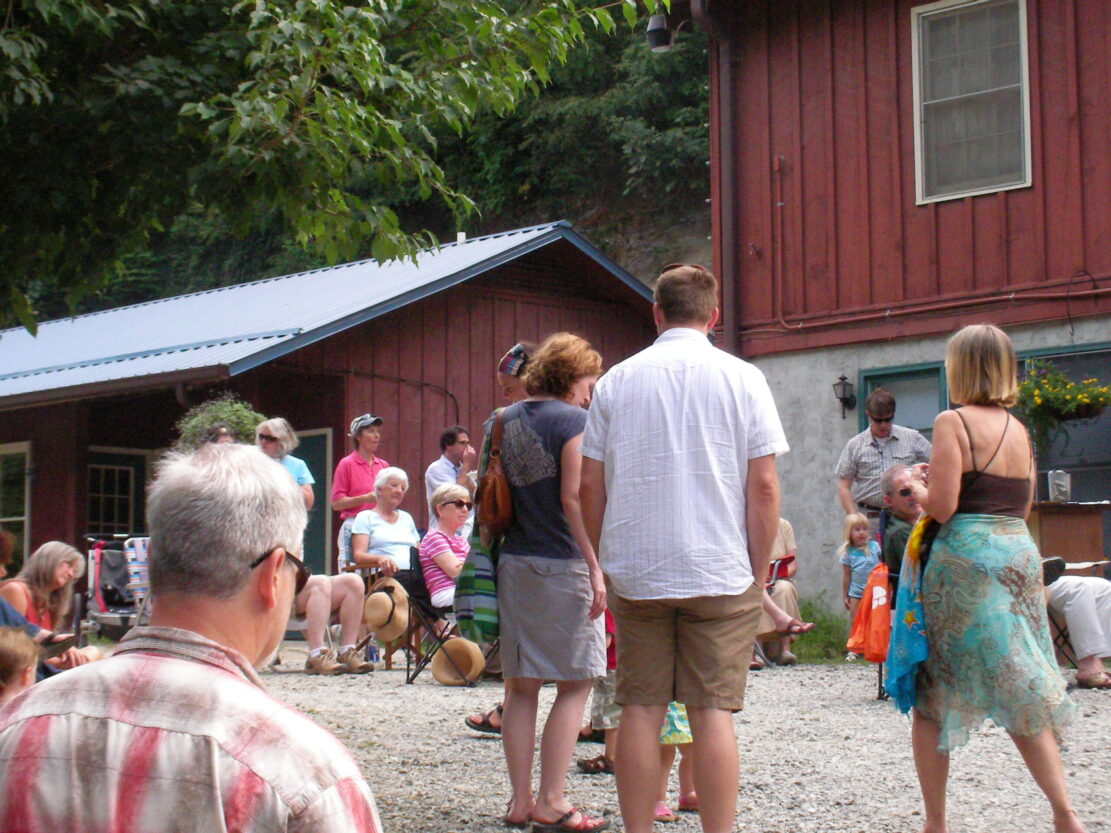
1002, 437
967, 433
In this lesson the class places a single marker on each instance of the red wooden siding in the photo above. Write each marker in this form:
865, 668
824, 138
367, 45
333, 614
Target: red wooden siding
831, 246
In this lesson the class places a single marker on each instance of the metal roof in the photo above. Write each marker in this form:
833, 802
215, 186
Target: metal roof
226, 331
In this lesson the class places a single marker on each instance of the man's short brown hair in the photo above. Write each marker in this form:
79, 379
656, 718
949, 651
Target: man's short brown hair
880, 403
686, 293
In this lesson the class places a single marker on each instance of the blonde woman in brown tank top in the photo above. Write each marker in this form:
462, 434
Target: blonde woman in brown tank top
990, 654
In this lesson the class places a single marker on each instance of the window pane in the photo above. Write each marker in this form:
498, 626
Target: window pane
916, 399
972, 129
13, 481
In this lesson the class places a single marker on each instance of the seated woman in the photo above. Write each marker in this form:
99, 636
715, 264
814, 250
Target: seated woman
774, 639
381, 537
442, 551
322, 597
42, 593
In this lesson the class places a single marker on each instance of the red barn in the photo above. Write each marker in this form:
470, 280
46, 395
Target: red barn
88, 403
886, 171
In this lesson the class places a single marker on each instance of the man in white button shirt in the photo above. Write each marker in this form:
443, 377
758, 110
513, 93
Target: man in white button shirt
681, 499
456, 464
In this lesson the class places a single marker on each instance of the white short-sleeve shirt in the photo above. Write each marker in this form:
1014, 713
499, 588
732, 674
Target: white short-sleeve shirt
675, 426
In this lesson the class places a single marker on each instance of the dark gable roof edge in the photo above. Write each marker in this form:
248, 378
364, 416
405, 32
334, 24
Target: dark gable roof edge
561, 230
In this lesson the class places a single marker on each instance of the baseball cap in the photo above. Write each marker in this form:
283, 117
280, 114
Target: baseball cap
361, 422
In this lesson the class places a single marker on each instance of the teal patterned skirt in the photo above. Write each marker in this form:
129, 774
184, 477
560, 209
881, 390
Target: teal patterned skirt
990, 654
676, 730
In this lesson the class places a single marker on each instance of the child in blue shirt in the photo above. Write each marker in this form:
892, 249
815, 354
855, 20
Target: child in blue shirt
859, 553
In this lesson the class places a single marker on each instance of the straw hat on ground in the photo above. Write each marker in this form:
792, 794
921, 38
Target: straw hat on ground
467, 656
386, 610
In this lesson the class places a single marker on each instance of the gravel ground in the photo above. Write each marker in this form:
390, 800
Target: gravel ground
818, 753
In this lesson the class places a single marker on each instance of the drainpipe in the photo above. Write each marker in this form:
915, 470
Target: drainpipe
725, 175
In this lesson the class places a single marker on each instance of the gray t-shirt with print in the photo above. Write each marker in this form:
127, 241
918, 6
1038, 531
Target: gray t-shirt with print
533, 436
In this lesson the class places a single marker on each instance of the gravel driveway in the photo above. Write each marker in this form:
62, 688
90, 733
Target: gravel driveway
818, 753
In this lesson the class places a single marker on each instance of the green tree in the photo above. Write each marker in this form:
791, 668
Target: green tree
307, 114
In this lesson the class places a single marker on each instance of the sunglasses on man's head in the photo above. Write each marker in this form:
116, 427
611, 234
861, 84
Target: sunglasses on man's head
906, 491
266, 438
458, 504
303, 571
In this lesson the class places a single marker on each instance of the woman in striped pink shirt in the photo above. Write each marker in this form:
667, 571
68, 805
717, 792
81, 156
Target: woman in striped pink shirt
442, 551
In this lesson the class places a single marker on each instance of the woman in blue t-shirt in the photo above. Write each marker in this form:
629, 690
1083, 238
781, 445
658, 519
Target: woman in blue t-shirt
550, 589
277, 438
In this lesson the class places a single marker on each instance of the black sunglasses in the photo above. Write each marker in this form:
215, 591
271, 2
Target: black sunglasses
458, 503
906, 492
303, 572
266, 438
881, 419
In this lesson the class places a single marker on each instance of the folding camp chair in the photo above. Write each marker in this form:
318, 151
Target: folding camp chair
116, 597
423, 618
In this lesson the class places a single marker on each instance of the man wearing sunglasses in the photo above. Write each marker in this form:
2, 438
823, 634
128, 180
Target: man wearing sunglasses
902, 511
874, 450
178, 717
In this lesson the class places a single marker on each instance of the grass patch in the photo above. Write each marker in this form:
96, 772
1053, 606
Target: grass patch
831, 629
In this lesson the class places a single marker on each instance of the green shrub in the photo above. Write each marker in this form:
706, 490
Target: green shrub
227, 408
831, 630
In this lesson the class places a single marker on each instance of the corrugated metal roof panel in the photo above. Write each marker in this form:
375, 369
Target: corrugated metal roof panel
241, 326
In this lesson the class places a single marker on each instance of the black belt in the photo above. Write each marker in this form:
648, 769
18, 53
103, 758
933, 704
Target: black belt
868, 508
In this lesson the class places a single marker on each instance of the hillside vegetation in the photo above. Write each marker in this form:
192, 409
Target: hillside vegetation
616, 143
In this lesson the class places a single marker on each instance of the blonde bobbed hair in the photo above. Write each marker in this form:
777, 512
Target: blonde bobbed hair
980, 367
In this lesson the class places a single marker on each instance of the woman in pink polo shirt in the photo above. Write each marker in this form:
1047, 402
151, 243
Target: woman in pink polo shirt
353, 481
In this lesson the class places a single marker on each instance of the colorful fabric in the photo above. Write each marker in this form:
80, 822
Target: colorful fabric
676, 729
173, 732
871, 629
990, 654
908, 647
860, 563
476, 590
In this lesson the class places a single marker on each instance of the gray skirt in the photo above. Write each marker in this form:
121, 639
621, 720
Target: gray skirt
543, 617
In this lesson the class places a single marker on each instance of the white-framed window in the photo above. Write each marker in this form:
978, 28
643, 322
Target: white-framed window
15, 495
111, 499
919, 392
971, 98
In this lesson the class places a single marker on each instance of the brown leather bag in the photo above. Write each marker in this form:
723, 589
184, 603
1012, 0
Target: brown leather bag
494, 505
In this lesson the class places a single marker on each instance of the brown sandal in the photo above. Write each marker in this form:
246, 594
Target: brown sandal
600, 765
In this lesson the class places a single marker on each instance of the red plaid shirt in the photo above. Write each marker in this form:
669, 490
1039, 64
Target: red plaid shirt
174, 732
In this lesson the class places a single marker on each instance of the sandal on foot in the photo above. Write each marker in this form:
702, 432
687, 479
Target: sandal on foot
664, 813
516, 825
688, 802
600, 765
1100, 680
588, 734
483, 723
563, 824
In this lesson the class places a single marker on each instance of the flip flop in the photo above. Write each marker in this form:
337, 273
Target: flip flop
1101, 680
561, 825
516, 825
688, 803
664, 813
484, 725
600, 765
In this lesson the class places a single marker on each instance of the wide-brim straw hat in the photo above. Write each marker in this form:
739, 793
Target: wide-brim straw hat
386, 610
467, 656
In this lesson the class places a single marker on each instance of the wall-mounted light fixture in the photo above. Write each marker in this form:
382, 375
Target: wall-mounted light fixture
844, 391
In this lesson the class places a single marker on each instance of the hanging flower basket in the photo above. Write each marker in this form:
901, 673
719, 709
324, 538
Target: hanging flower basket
1047, 399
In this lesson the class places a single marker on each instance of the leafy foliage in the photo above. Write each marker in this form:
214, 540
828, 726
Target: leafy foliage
310, 115
1047, 398
226, 409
